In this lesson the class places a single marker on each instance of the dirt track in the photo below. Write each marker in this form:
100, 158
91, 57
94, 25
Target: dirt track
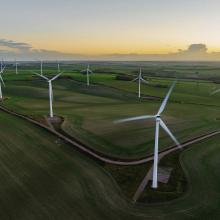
105, 158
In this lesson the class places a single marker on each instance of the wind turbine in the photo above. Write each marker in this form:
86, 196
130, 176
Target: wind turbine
159, 122
58, 67
50, 90
1, 82
16, 67
139, 79
41, 67
88, 71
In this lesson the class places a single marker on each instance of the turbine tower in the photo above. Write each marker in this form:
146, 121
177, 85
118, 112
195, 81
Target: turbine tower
87, 71
159, 123
139, 79
41, 67
58, 67
50, 90
16, 67
1, 82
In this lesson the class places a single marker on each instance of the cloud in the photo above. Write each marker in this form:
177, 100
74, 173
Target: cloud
9, 50
195, 48
194, 52
14, 44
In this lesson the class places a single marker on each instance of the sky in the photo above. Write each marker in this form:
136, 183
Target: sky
110, 29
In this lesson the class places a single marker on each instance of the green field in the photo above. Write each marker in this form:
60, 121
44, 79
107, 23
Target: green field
43, 178
89, 113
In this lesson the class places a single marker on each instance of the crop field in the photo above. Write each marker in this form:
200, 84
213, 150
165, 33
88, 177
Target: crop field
89, 113
43, 178
54, 181
58, 182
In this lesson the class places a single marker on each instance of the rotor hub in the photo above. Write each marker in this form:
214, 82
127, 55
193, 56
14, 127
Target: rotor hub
158, 117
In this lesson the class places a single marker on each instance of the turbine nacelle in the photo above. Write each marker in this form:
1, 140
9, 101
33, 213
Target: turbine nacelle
157, 117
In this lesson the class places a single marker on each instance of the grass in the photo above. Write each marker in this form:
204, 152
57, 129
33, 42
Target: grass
43, 178
89, 114
201, 201
176, 186
128, 177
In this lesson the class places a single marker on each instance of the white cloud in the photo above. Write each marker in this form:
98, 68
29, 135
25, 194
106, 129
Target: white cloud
14, 44
10, 50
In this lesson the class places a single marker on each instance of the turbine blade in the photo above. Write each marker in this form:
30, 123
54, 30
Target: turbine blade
2, 70
144, 81
135, 79
83, 71
163, 105
55, 77
44, 77
162, 124
134, 118
214, 92
2, 80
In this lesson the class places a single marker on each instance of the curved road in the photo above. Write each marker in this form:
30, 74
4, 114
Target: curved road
106, 158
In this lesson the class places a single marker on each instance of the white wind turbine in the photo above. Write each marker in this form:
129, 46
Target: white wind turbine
159, 122
87, 71
16, 67
139, 79
58, 67
41, 67
50, 90
1, 82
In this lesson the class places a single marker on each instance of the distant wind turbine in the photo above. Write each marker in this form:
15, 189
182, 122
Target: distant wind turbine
41, 67
1, 82
139, 79
16, 67
50, 90
87, 71
58, 67
159, 122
